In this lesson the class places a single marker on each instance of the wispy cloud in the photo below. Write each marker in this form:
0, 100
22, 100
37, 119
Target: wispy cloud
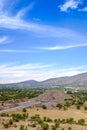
35, 71
41, 30
18, 51
16, 22
83, 9
3, 39
62, 47
23, 11
70, 4
39, 49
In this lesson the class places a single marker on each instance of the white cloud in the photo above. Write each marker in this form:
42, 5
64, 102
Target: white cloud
10, 73
17, 51
22, 12
63, 47
83, 9
70, 4
17, 23
39, 49
41, 30
3, 39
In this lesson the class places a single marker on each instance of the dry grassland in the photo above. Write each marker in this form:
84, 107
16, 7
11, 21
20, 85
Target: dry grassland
51, 113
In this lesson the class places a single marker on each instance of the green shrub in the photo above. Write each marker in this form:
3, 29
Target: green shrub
47, 119
57, 122
37, 119
70, 120
54, 127
6, 125
81, 121
44, 126
64, 108
10, 122
24, 110
44, 107
21, 127
17, 117
69, 128
78, 106
62, 129
4, 114
67, 104
85, 108
59, 106
63, 121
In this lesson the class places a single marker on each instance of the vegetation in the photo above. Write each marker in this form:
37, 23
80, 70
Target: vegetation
22, 127
13, 94
81, 121
17, 117
24, 110
77, 99
44, 126
59, 106
44, 107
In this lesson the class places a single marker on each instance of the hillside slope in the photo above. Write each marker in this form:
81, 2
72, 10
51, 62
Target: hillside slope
79, 80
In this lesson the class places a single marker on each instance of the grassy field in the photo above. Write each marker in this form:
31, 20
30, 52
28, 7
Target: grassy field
52, 114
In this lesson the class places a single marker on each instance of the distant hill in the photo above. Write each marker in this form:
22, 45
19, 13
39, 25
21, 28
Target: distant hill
79, 80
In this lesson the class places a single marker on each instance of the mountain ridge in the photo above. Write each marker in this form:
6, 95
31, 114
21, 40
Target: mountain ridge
79, 80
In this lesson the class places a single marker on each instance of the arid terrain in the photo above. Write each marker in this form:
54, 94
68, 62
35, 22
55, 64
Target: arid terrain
52, 114
52, 110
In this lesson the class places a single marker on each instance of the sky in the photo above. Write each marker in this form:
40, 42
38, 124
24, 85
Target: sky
42, 39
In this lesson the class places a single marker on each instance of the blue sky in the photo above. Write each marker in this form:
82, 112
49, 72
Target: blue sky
42, 39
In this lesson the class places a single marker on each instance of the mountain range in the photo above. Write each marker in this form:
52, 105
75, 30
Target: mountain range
79, 80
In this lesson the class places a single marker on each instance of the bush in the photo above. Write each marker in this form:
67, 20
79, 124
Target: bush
59, 106
81, 121
67, 104
24, 110
47, 119
85, 108
70, 120
44, 126
37, 119
63, 121
4, 114
10, 122
57, 122
44, 107
21, 127
69, 128
17, 117
54, 127
78, 106
62, 129
64, 108
6, 125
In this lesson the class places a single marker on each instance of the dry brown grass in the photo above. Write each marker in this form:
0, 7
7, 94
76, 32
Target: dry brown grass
53, 114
